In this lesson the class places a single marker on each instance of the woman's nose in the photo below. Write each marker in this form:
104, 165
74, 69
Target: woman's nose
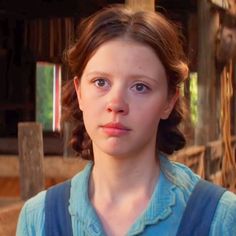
117, 103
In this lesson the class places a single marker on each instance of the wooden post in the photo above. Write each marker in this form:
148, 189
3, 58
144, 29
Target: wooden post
208, 23
67, 149
141, 4
30, 145
233, 118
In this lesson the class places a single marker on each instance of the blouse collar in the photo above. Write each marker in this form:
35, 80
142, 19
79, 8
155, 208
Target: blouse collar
161, 202
159, 207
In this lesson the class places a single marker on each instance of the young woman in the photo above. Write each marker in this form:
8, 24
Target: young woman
125, 104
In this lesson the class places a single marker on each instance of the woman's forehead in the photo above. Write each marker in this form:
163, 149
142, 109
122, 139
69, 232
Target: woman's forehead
125, 54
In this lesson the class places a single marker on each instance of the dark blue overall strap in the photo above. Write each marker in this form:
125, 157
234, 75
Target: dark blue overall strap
57, 217
200, 209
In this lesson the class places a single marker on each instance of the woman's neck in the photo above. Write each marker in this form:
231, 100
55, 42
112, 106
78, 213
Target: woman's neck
116, 178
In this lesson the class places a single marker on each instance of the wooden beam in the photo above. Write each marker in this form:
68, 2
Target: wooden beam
222, 4
31, 158
141, 4
207, 125
233, 113
54, 166
63, 167
8, 218
51, 145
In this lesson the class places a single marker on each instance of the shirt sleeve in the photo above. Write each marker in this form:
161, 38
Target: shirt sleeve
224, 222
32, 217
22, 225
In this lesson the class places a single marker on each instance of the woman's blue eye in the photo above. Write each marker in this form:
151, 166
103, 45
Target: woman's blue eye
141, 87
100, 82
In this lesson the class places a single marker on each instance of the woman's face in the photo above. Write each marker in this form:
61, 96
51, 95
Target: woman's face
123, 94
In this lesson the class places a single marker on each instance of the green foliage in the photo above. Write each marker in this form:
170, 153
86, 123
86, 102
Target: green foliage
44, 95
193, 97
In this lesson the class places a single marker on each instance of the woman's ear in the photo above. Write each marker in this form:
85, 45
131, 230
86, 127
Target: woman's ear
170, 105
78, 91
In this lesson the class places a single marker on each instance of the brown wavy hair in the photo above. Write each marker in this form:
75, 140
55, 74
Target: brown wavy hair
149, 28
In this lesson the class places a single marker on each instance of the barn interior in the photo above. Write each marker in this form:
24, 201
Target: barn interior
34, 35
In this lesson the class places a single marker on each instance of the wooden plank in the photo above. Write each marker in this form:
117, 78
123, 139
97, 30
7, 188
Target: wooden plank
228, 6
208, 23
8, 219
216, 150
6, 201
189, 156
224, 4
59, 167
9, 166
30, 158
52, 145
54, 166
9, 145
217, 179
193, 157
141, 4
63, 167
189, 151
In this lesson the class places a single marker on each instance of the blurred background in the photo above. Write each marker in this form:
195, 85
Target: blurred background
33, 36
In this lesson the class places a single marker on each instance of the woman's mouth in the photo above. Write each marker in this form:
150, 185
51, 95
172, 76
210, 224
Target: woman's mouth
115, 129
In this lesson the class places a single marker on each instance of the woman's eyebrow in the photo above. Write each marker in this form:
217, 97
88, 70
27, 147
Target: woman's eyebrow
146, 77
97, 73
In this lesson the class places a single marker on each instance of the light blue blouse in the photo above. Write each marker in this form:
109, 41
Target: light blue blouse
161, 217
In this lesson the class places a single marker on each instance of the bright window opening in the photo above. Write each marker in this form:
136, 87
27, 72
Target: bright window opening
193, 97
48, 95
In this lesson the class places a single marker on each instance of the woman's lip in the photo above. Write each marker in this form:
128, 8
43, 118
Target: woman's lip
115, 126
115, 129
